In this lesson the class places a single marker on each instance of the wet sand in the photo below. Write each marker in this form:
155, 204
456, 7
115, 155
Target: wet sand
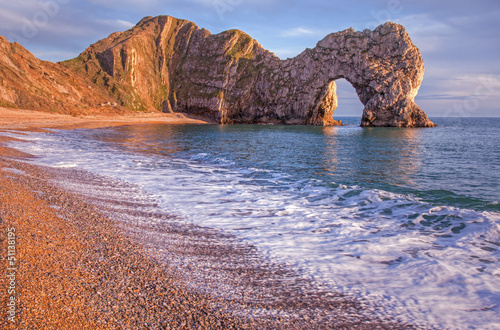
90, 255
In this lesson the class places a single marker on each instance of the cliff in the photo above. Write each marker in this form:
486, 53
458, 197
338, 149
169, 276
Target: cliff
171, 65
29, 83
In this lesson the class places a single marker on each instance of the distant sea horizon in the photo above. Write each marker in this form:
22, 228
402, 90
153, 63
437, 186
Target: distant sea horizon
430, 117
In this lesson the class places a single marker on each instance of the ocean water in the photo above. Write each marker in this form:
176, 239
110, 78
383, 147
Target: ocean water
408, 219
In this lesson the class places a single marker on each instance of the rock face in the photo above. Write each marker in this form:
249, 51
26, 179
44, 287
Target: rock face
383, 65
29, 83
171, 65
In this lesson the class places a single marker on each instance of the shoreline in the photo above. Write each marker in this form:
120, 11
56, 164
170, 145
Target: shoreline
76, 269
97, 270
18, 119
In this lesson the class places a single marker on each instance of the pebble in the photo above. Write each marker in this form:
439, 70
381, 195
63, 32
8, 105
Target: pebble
81, 268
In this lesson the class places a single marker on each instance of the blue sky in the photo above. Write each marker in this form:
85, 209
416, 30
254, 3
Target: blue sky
459, 40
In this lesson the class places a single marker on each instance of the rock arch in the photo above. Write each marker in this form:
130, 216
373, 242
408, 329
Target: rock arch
230, 78
383, 66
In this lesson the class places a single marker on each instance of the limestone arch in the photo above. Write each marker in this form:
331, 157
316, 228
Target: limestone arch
383, 66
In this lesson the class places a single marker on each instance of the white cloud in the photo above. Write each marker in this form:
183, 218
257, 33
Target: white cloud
232, 3
298, 32
124, 24
117, 24
10, 19
460, 95
445, 92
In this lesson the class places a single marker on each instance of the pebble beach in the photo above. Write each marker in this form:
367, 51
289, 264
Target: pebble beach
83, 259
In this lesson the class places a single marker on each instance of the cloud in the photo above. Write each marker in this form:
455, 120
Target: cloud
48, 27
428, 35
232, 3
54, 54
465, 86
298, 32
457, 39
448, 93
10, 18
117, 24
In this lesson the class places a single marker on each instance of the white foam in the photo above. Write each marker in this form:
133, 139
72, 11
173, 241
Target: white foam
13, 170
431, 265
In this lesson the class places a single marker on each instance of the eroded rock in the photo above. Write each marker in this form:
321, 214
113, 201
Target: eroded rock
171, 65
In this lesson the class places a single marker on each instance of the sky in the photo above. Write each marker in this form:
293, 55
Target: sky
459, 40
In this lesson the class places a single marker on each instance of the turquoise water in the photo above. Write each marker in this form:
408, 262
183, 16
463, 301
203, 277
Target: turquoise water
407, 218
457, 163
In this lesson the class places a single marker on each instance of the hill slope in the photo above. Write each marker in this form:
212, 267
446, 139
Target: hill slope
29, 83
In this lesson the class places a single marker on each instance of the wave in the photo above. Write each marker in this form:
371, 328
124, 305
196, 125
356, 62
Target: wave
419, 256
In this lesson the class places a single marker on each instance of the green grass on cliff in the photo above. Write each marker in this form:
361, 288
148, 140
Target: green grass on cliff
243, 43
7, 104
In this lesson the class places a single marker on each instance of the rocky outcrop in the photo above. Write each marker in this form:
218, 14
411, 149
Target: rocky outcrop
171, 65
383, 65
29, 83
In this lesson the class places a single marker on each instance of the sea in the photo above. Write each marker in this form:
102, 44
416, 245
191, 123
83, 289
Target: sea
407, 218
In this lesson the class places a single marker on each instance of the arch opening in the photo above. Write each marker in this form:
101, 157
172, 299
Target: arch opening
349, 105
